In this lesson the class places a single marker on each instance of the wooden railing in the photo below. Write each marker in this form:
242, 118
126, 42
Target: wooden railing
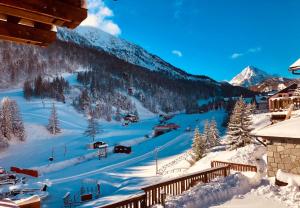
156, 193
234, 166
138, 201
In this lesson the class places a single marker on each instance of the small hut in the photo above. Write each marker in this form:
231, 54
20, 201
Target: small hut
283, 146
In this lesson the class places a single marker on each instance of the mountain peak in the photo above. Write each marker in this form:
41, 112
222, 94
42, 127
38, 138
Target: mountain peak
250, 76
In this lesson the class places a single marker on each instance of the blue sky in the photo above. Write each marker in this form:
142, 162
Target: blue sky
217, 38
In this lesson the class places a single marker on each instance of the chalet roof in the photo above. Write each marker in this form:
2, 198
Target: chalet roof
285, 90
295, 65
284, 129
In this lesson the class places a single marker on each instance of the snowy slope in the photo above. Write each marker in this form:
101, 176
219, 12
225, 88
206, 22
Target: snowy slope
132, 53
249, 76
120, 175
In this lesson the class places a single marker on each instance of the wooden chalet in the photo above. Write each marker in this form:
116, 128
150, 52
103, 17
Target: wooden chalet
283, 146
284, 98
35, 21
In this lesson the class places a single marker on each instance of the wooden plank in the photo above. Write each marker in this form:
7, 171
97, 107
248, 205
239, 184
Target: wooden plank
45, 11
24, 34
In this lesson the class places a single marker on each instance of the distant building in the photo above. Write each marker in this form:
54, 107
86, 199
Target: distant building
284, 98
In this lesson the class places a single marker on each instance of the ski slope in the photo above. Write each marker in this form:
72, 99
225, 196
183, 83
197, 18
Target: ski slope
120, 175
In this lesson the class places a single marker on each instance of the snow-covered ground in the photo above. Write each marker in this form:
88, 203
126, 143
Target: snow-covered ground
120, 175
244, 190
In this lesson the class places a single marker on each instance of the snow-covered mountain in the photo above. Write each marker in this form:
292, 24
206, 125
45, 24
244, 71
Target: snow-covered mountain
132, 53
250, 76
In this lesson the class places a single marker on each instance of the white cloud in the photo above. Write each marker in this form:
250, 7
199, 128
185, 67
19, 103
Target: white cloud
236, 55
250, 50
254, 50
100, 16
178, 8
177, 53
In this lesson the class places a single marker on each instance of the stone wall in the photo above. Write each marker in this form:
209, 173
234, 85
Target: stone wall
283, 154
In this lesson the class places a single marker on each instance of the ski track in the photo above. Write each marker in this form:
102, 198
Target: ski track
62, 121
117, 165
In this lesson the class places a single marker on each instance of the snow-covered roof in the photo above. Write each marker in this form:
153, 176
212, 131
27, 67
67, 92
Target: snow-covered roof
284, 129
295, 65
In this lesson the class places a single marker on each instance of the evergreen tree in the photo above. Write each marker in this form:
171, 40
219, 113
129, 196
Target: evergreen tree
17, 122
6, 119
118, 116
206, 135
247, 122
239, 125
28, 90
235, 130
53, 126
198, 146
214, 133
93, 127
3, 141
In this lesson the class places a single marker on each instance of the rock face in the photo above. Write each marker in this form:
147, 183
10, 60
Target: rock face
284, 154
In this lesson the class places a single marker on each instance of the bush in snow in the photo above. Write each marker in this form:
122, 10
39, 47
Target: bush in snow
53, 126
239, 125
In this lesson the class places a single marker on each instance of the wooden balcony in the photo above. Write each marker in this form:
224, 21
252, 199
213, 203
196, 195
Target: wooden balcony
34, 21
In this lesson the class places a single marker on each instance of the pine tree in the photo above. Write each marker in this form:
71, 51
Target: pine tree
53, 126
93, 127
206, 134
198, 146
6, 119
247, 122
28, 90
235, 129
118, 116
3, 141
17, 122
214, 133
239, 126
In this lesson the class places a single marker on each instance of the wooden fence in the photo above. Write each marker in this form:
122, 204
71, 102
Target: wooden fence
156, 193
235, 166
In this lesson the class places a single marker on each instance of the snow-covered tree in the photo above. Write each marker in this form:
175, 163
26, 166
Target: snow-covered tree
17, 122
198, 146
93, 126
118, 116
247, 122
239, 125
214, 136
6, 119
206, 134
53, 126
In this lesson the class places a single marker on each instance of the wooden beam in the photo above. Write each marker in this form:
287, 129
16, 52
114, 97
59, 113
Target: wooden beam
25, 34
58, 12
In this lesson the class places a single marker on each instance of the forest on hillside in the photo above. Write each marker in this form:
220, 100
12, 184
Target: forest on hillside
108, 79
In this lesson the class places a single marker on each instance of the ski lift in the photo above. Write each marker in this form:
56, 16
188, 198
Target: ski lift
34, 22
295, 67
